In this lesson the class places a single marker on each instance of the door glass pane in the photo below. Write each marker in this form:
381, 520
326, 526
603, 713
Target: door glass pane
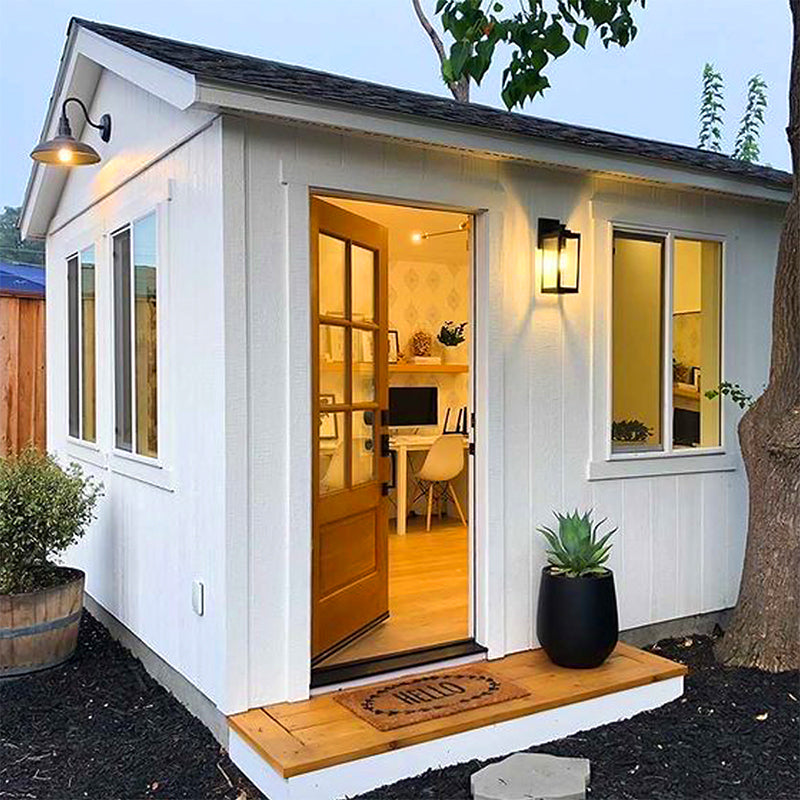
637, 344
122, 340
88, 343
331, 451
331, 276
73, 346
332, 363
363, 366
145, 311
363, 452
363, 283
697, 291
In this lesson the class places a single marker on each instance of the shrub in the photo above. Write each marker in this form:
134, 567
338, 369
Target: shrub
43, 510
575, 550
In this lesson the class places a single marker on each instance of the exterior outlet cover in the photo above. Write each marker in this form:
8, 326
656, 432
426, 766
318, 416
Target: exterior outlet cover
198, 598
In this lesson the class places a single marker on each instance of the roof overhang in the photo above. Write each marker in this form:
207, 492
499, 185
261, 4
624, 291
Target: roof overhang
86, 54
400, 127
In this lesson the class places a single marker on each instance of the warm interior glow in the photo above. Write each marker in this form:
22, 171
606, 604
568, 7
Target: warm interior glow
65, 155
568, 263
416, 237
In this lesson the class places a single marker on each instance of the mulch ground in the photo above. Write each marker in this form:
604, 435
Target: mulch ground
99, 727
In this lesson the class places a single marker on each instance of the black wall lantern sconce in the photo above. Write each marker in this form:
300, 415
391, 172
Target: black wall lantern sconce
561, 257
64, 149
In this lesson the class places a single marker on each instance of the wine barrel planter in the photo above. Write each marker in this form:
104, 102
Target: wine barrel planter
577, 622
40, 629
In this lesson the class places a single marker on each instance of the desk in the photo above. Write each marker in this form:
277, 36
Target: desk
403, 445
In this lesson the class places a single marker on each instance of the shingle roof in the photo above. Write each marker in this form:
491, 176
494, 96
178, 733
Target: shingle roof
208, 64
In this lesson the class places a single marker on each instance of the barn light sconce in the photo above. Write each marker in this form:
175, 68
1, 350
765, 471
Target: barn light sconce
561, 257
64, 149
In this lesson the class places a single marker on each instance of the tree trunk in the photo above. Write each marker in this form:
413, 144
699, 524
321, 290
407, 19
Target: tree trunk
765, 629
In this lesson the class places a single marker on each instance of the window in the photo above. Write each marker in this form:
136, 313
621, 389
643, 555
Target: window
660, 406
81, 345
136, 338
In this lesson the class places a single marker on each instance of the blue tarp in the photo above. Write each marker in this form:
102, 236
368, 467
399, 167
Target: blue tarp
24, 279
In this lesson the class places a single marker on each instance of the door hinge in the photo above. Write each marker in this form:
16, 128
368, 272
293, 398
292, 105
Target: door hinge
384, 489
472, 448
386, 451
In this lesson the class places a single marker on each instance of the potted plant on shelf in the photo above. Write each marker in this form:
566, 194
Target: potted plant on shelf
577, 620
43, 510
452, 336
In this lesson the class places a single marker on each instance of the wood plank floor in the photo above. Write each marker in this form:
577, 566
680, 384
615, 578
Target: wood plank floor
428, 592
296, 738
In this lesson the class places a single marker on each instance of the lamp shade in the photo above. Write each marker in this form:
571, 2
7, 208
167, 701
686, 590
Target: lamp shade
65, 151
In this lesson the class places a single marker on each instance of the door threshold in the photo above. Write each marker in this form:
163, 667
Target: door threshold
392, 662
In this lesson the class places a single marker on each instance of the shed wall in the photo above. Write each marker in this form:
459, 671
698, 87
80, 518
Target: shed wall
542, 384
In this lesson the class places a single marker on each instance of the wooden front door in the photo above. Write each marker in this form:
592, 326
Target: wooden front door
349, 297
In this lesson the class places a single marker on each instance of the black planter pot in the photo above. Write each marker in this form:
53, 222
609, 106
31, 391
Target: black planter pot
577, 620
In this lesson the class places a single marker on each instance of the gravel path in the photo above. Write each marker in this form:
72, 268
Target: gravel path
99, 727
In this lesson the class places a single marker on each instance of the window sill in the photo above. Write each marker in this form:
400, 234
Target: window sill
650, 465
87, 452
140, 468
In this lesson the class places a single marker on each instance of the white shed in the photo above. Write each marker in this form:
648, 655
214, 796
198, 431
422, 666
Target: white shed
244, 297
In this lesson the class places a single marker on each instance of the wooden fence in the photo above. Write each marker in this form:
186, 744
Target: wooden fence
22, 373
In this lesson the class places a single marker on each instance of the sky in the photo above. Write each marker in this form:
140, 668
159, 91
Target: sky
649, 89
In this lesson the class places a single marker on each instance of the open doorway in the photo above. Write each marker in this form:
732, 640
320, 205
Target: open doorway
392, 408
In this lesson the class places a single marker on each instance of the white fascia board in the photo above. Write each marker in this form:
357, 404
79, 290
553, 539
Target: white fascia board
467, 139
85, 55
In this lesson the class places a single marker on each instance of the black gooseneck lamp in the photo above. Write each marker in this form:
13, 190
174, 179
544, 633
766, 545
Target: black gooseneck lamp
64, 149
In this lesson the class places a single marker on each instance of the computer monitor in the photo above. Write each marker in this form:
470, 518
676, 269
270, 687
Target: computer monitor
412, 406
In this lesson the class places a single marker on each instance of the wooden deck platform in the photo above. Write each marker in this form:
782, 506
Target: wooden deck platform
298, 738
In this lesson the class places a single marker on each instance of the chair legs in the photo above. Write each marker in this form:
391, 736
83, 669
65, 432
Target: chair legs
458, 506
430, 506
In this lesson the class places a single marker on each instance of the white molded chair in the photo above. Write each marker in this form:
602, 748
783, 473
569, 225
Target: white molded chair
445, 460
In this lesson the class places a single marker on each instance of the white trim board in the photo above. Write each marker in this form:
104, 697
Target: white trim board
355, 777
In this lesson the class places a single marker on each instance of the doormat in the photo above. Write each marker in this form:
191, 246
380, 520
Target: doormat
424, 697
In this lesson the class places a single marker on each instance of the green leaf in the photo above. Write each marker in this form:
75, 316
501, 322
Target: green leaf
580, 34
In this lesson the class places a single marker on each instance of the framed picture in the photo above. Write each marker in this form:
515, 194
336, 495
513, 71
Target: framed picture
328, 424
394, 346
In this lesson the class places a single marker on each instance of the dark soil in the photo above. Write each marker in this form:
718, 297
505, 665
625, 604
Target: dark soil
100, 727
734, 735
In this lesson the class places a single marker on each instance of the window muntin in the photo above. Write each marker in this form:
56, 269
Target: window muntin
637, 343
136, 337
649, 411
81, 345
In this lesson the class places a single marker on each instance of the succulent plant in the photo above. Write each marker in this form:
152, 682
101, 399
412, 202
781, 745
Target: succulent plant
576, 549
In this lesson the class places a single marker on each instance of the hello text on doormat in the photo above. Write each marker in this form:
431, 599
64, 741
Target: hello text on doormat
425, 697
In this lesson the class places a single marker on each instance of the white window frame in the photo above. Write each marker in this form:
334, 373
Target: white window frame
79, 439
147, 469
604, 464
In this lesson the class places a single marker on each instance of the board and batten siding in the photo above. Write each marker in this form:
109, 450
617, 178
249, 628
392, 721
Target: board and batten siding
539, 373
160, 525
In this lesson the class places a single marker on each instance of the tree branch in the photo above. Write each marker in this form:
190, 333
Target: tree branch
429, 29
460, 88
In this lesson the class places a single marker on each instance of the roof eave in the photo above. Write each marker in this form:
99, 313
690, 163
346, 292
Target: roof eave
234, 98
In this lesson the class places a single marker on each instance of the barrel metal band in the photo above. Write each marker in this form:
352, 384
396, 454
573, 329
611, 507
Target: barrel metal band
40, 627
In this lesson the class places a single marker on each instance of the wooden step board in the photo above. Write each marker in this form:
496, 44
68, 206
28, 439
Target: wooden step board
297, 738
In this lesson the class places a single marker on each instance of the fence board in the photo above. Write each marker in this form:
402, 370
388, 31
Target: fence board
22, 373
